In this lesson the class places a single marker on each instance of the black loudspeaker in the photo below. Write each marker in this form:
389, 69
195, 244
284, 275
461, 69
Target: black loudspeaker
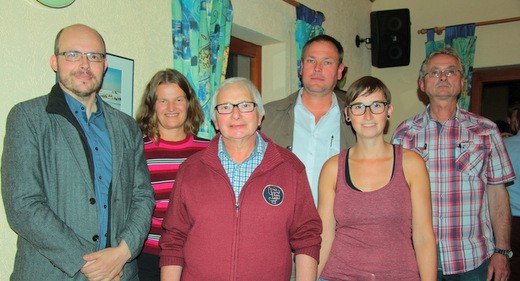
390, 37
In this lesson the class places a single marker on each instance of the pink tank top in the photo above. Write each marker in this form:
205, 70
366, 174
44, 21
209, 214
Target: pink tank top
373, 238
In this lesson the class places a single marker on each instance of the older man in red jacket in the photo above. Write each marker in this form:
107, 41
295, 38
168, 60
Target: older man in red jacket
242, 205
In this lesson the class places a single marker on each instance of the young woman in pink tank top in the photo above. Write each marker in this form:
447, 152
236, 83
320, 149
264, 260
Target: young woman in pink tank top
374, 200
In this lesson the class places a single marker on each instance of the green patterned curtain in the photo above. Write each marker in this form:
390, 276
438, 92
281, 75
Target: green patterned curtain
308, 25
461, 38
201, 31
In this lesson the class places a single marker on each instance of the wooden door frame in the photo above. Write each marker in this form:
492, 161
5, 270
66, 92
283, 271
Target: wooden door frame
252, 51
490, 75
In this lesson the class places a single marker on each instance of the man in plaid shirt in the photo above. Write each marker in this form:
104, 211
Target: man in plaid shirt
468, 168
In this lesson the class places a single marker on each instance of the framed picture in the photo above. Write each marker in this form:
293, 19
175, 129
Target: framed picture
118, 84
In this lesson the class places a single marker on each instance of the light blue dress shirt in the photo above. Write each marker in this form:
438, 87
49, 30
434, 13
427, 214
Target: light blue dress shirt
95, 128
315, 143
513, 150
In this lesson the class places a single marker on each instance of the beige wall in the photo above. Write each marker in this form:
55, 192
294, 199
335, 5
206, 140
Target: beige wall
497, 45
271, 25
141, 31
131, 28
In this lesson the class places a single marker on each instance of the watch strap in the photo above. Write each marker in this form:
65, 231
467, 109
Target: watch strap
507, 253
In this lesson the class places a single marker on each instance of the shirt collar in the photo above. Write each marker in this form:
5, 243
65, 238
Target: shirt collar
77, 107
428, 115
259, 150
332, 105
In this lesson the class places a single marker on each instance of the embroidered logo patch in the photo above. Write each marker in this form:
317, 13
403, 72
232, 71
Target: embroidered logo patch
273, 195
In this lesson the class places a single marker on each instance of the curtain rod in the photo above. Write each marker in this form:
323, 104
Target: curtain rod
296, 4
439, 30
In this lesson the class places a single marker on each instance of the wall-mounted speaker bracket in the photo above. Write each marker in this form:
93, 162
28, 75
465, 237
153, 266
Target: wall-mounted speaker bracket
360, 40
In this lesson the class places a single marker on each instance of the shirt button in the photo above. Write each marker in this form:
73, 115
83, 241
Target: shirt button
92, 201
100, 177
105, 206
95, 238
96, 148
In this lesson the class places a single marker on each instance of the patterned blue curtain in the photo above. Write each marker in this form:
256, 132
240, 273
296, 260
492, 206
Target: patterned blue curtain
308, 25
201, 31
461, 38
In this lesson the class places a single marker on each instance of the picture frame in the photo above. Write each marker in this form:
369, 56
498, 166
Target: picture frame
118, 83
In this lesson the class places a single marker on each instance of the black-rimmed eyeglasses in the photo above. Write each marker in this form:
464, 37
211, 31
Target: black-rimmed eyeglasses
227, 108
76, 56
376, 107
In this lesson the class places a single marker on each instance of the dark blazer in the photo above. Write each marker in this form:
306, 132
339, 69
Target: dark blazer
48, 190
278, 123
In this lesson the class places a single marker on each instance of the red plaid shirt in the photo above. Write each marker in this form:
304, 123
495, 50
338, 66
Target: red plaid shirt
463, 156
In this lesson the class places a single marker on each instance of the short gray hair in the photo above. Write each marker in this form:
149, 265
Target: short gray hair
446, 51
246, 84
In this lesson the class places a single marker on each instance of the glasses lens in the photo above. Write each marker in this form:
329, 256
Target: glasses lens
246, 107
377, 107
358, 109
95, 57
72, 56
447, 72
225, 108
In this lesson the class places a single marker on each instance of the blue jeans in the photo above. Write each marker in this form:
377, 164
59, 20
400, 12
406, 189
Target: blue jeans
477, 274
323, 279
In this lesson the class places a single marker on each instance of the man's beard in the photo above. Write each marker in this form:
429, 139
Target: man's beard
68, 83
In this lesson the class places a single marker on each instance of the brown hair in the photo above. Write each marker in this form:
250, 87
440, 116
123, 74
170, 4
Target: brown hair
365, 86
324, 38
146, 115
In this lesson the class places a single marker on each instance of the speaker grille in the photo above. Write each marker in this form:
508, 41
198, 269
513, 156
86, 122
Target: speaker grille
390, 36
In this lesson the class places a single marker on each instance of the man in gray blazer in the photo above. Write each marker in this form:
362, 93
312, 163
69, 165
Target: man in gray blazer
75, 183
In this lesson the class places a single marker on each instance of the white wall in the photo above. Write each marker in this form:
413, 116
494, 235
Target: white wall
497, 45
142, 31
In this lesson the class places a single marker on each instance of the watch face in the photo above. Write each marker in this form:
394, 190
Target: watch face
56, 3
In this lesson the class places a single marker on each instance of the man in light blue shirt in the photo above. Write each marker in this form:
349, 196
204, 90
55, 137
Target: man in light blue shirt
310, 122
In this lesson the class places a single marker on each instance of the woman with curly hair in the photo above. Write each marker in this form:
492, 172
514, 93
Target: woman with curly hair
169, 117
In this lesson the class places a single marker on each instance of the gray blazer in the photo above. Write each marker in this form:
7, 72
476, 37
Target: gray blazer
278, 122
48, 191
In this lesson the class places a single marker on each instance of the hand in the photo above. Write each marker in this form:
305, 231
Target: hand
106, 264
498, 265
118, 277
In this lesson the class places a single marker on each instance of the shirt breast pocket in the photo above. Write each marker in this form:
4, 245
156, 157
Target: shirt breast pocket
422, 150
470, 157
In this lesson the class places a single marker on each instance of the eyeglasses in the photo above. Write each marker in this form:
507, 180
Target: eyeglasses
76, 56
376, 107
447, 72
227, 108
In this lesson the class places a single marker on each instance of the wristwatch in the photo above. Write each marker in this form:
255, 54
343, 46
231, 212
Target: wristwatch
507, 253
